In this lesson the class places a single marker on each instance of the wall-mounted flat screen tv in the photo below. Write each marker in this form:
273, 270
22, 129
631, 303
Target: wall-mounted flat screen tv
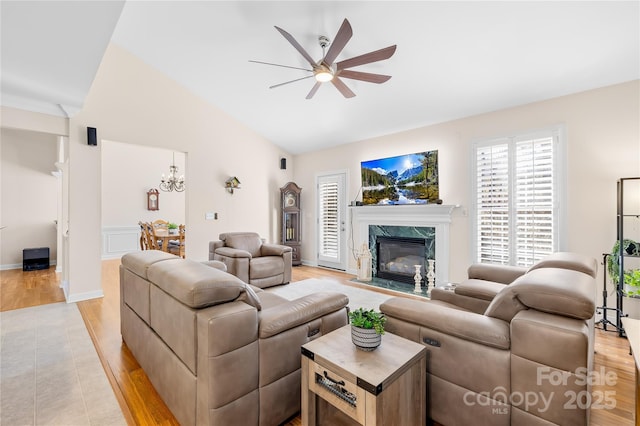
405, 179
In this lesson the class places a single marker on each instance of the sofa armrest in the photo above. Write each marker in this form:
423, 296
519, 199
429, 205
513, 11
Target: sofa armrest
479, 289
274, 250
215, 264
464, 302
213, 245
462, 324
497, 273
231, 252
299, 311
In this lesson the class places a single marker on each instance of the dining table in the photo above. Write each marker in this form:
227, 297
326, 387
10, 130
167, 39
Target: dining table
164, 236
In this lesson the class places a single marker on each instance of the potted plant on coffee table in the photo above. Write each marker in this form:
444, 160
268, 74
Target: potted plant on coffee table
367, 328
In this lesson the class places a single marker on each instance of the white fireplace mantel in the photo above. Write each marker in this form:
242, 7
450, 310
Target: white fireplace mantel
425, 215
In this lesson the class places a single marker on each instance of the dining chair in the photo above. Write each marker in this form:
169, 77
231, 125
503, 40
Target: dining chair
177, 246
143, 242
160, 223
152, 241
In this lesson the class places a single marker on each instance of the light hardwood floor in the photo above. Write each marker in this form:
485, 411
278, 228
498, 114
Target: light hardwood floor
143, 406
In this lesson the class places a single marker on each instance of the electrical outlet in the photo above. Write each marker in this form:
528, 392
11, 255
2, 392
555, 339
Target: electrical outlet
210, 216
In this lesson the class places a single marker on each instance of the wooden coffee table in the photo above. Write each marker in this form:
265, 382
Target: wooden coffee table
344, 385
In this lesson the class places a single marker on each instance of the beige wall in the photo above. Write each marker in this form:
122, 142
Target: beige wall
603, 144
128, 172
130, 102
29, 194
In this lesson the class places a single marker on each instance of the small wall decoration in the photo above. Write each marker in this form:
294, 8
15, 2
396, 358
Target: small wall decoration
231, 184
406, 179
153, 199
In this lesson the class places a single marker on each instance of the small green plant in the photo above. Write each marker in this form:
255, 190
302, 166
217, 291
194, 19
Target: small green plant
613, 261
632, 279
368, 319
172, 226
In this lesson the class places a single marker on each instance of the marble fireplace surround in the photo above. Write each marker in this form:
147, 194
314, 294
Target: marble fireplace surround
436, 216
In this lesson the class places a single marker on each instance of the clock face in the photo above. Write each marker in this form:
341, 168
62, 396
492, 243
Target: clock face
153, 197
290, 200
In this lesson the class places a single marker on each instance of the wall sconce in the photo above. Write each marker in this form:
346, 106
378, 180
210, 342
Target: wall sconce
231, 184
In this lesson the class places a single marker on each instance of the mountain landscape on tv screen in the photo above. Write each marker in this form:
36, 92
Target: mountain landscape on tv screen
405, 179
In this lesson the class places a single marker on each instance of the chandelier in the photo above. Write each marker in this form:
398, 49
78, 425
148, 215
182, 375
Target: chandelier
172, 182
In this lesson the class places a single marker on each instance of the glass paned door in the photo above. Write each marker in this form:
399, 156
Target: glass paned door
331, 221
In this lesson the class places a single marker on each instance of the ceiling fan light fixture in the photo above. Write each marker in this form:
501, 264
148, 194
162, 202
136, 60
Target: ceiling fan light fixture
323, 76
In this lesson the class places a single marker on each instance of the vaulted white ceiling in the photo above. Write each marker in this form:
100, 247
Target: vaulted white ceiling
454, 59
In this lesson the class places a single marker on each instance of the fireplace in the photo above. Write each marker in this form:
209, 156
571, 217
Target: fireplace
430, 221
397, 258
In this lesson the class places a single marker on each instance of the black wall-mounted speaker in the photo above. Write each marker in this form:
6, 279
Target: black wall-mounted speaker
92, 137
283, 164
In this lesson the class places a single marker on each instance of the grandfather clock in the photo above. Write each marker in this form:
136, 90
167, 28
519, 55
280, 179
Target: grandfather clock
290, 204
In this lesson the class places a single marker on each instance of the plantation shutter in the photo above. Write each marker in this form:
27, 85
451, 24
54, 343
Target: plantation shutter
515, 202
534, 200
329, 219
492, 203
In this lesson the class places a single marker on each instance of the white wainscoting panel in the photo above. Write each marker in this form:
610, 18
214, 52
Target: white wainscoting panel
119, 240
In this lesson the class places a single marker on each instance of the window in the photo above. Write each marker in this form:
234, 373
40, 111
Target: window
517, 198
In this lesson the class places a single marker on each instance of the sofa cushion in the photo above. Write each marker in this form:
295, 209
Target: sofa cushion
269, 300
557, 291
139, 262
299, 311
267, 266
250, 242
553, 290
195, 284
565, 260
504, 274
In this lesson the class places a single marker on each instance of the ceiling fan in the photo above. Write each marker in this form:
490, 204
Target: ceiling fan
326, 70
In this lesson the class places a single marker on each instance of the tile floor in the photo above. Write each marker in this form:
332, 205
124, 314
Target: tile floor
50, 373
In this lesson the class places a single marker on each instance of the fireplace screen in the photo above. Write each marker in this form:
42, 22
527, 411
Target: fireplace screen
397, 258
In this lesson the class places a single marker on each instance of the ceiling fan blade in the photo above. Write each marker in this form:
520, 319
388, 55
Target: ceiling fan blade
278, 65
364, 76
290, 81
346, 92
367, 58
339, 42
314, 89
295, 44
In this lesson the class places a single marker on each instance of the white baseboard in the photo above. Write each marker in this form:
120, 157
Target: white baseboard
9, 266
83, 296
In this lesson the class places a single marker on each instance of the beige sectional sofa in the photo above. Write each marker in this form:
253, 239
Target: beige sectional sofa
218, 351
520, 361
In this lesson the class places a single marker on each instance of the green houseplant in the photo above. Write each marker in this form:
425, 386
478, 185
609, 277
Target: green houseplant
631, 277
173, 227
632, 280
367, 328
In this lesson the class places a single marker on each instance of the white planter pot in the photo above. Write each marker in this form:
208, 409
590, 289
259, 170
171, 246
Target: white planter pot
365, 339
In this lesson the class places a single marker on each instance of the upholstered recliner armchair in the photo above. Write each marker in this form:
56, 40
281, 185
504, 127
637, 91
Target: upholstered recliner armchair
252, 260
519, 363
